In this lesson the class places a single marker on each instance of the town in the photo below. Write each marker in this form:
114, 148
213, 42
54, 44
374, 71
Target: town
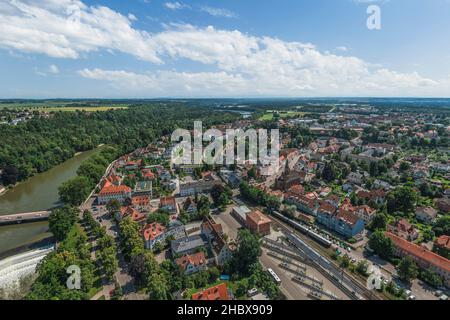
360, 193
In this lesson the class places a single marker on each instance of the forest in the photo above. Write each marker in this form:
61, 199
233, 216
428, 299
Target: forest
47, 140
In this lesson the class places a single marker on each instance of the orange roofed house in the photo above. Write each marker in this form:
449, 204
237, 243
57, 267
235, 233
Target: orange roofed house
153, 233
131, 212
113, 192
258, 223
219, 292
423, 257
192, 263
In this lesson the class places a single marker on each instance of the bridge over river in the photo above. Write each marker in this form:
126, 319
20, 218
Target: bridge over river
24, 217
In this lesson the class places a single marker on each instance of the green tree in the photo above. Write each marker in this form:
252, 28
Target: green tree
61, 221
379, 222
157, 287
402, 199
113, 206
442, 226
247, 253
431, 278
407, 269
381, 244
75, 190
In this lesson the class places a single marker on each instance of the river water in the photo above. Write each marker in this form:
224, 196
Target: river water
38, 193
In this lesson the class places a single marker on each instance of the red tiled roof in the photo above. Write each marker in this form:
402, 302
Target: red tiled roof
443, 241
112, 189
133, 213
327, 208
167, 201
297, 189
419, 252
219, 292
258, 217
152, 231
196, 259
347, 216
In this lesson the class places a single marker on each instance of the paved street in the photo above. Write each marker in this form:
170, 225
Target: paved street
124, 279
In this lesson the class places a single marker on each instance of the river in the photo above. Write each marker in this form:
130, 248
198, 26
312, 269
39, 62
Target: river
38, 193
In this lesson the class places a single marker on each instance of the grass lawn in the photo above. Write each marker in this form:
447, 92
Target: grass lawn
97, 286
283, 114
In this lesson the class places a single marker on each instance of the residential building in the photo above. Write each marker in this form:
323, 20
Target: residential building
443, 204
218, 292
303, 203
187, 245
131, 212
153, 233
365, 212
204, 185
442, 246
175, 230
212, 231
404, 229
426, 214
112, 192
169, 204
190, 206
192, 263
423, 257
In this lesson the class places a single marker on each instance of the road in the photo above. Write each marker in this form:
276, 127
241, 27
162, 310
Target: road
24, 217
122, 275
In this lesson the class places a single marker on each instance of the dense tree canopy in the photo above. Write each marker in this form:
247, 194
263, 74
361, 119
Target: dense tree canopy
61, 221
402, 199
43, 142
381, 244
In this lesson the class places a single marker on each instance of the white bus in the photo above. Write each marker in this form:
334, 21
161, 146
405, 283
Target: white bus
274, 276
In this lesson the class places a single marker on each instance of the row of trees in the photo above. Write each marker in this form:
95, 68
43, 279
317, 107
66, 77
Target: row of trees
76, 190
106, 246
259, 197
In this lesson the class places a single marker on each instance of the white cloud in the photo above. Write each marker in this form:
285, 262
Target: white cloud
218, 12
240, 64
176, 5
342, 48
70, 29
53, 69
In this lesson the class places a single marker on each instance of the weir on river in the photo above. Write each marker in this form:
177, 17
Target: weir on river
12, 269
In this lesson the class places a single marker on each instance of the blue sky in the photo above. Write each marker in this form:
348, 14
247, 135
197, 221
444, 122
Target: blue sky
222, 48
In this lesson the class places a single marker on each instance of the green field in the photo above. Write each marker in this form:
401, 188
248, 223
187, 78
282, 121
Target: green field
73, 109
51, 106
283, 115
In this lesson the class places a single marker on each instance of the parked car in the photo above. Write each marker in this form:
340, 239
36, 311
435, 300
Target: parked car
252, 292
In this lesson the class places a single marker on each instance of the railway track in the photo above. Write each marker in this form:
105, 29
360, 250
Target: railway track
346, 279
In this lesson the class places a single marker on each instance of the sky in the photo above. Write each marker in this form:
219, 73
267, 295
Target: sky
223, 48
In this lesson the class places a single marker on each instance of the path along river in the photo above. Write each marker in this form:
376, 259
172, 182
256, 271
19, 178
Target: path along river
39, 192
